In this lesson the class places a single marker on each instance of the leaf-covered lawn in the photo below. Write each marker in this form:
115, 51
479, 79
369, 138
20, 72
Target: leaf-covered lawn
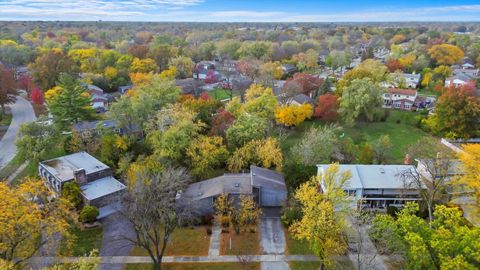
244, 243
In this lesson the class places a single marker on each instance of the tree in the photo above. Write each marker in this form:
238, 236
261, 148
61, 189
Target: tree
25, 82
316, 146
293, 115
37, 96
470, 177
303, 83
69, 102
221, 122
29, 219
362, 97
71, 192
184, 66
48, 67
223, 208
337, 59
246, 128
432, 174
322, 223
259, 101
206, 154
367, 154
456, 113
227, 49
35, 140
446, 54
146, 65
382, 149
265, 153
153, 209
172, 131
394, 65
249, 68
88, 214
327, 107
8, 87
269, 72
445, 244
306, 61
246, 214
161, 53
372, 69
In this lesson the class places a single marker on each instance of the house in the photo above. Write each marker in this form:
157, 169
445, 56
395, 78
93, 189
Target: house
412, 80
289, 69
88, 129
375, 186
403, 99
266, 186
456, 144
299, 100
204, 69
100, 100
124, 89
98, 187
459, 80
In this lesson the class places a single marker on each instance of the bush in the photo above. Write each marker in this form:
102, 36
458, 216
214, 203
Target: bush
291, 214
297, 173
88, 214
71, 192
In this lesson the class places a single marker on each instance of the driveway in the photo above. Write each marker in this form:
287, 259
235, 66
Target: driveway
272, 238
115, 227
22, 112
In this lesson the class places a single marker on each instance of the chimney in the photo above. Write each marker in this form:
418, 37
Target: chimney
80, 176
407, 160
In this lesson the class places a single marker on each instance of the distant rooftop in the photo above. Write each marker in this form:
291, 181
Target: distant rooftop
101, 187
372, 176
63, 167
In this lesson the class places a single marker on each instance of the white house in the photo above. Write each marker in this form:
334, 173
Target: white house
375, 186
412, 80
458, 80
403, 99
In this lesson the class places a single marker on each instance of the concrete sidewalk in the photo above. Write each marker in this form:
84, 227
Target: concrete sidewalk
177, 259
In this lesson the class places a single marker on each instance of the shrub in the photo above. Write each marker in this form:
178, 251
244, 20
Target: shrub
291, 214
71, 192
392, 210
88, 214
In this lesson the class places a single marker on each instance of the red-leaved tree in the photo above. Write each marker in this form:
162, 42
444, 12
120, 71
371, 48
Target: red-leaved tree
305, 83
394, 65
37, 96
327, 107
221, 121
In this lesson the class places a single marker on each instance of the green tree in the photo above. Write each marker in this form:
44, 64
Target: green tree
36, 140
71, 103
361, 98
382, 149
71, 192
184, 66
246, 128
316, 146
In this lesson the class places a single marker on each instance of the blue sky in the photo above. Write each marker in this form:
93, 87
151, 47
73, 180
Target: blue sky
241, 10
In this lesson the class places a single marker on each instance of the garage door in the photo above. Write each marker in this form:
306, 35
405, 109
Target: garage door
271, 198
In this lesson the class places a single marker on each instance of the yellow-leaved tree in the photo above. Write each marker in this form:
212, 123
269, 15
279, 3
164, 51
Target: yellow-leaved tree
29, 219
265, 153
470, 159
293, 115
322, 201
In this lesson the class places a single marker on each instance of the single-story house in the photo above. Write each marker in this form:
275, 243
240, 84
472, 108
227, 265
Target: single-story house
266, 186
403, 99
458, 80
299, 100
88, 129
98, 187
375, 186
203, 69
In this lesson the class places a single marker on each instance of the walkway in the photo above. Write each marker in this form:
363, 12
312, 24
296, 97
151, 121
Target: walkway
180, 259
272, 239
214, 249
22, 112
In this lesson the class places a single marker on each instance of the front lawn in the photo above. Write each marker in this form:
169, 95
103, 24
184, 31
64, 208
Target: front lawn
221, 94
342, 263
246, 243
198, 266
399, 126
184, 242
296, 247
83, 241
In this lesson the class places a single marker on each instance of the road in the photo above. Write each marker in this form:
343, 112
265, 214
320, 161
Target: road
22, 112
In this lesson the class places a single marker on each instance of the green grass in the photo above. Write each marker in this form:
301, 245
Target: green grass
428, 92
83, 241
297, 247
342, 263
5, 119
11, 167
184, 241
399, 126
197, 266
221, 94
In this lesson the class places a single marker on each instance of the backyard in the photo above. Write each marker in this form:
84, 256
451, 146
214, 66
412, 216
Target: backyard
399, 126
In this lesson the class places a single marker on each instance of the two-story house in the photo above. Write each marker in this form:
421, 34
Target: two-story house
402, 99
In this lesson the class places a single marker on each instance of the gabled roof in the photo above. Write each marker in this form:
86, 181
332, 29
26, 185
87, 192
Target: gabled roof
300, 99
408, 92
238, 183
267, 178
89, 125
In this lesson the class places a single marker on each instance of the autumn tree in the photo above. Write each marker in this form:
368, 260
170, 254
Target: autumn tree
302, 83
293, 115
221, 120
259, 101
223, 209
337, 59
321, 224
394, 65
8, 87
446, 54
246, 214
30, 219
146, 65
161, 53
372, 69
382, 149
366, 155
306, 61
249, 68
361, 98
456, 113
327, 107
69, 102
470, 177
48, 67
316, 146
37, 96
184, 66
265, 153
152, 207
245, 129
206, 154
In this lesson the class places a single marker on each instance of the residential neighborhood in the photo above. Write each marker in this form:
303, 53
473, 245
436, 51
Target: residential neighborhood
187, 135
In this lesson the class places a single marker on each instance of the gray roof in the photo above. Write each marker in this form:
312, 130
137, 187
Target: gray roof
90, 125
63, 167
239, 183
301, 98
267, 178
461, 76
372, 176
101, 187
413, 76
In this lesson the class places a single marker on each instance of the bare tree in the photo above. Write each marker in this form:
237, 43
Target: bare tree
435, 166
154, 210
359, 244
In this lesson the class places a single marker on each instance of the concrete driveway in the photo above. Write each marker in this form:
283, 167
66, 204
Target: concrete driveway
272, 238
22, 112
115, 228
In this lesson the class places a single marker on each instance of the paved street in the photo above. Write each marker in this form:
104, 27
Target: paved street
22, 112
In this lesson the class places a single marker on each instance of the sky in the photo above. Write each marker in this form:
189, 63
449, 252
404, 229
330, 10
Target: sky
241, 10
